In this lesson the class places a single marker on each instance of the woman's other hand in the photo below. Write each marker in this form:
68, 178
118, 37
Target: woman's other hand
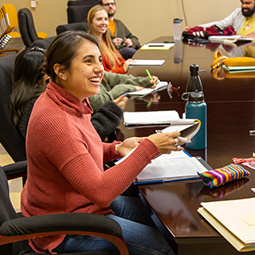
121, 101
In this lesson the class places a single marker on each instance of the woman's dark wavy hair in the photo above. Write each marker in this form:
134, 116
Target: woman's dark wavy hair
26, 76
63, 49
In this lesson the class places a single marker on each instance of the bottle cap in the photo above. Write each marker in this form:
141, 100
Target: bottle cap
177, 20
194, 69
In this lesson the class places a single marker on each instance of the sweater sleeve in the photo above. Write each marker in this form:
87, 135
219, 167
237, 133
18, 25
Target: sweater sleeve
98, 100
103, 187
107, 119
115, 85
121, 79
228, 21
123, 32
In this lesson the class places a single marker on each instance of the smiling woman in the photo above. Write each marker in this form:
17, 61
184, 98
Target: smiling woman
65, 155
99, 26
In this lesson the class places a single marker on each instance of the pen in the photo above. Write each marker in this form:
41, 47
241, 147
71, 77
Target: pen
147, 71
182, 139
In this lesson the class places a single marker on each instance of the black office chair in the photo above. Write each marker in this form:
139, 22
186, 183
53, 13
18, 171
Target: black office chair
10, 137
15, 230
27, 28
82, 2
78, 26
78, 13
44, 43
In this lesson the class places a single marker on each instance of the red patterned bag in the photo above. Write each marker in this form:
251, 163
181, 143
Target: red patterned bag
205, 32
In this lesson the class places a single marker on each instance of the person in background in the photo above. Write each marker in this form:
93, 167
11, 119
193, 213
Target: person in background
98, 26
65, 161
116, 85
242, 20
29, 82
124, 41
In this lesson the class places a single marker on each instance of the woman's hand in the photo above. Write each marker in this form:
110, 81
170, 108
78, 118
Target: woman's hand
166, 142
121, 101
126, 64
155, 81
127, 145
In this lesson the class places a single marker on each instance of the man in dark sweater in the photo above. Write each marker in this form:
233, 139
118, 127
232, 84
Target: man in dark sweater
122, 38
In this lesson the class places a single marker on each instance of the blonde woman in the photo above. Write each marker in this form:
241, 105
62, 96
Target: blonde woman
99, 27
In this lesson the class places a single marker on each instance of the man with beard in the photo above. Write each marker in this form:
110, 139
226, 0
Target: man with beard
122, 38
242, 20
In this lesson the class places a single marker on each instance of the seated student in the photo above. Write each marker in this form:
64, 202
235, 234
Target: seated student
241, 19
65, 162
98, 26
114, 85
124, 41
29, 82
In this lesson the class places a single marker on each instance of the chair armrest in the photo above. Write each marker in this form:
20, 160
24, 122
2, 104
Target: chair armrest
14, 170
66, 223
61, 222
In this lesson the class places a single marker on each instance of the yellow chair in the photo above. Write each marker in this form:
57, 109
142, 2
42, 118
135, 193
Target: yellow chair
8, 24
10, 19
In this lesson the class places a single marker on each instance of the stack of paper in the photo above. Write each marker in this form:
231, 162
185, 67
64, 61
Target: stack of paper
176, 166
168, 167
228, 39
146, 91
239, 69
187, 127
147, 62
234, 220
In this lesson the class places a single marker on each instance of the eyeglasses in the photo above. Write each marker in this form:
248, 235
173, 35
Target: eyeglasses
109, 4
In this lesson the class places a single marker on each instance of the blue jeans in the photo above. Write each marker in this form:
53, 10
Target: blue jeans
140, 234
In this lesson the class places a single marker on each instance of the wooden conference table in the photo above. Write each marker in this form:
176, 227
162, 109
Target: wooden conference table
230, 117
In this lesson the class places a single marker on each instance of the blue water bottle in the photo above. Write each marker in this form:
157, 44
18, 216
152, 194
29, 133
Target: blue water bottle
196, 108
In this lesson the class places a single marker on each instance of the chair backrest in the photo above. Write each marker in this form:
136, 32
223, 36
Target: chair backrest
78, 13
7, 211
10, 14
10, 137
78, 26
44, 43
83, 2
26, 27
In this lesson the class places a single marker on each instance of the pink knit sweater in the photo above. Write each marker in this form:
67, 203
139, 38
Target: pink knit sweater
65, 162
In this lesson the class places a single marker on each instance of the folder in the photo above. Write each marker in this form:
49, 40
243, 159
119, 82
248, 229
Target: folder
234, 220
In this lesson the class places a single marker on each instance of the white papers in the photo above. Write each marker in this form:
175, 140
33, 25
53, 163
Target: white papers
229, 39
187, 127
239, 69
234, 219
150, 117
166, 168
157, 46
147, 62
146, 91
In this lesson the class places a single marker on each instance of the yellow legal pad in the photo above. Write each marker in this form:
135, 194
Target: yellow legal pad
157, 46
